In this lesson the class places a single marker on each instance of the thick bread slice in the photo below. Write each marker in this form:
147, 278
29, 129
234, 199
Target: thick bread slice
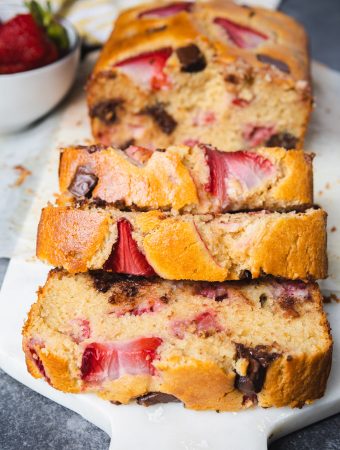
223, 346
202, 247
215, 72
194, 180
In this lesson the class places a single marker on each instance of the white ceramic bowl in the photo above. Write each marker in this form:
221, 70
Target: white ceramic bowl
27, 96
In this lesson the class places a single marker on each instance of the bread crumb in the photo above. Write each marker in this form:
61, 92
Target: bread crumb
327, 185
331, 298
23, 173
333, 229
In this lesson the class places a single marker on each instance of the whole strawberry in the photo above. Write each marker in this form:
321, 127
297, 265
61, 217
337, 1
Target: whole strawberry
29, 41
24, 45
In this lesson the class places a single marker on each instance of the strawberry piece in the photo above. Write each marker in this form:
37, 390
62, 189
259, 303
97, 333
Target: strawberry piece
257, 135
206, 323
241, 102
146, 69
290, 289
167, 11
249, 168
24, 45
110, 361
38, 363
146, 306
126, 256
138, 154
242, 36
80, 330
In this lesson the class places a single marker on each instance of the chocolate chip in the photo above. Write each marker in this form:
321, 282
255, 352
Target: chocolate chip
273, 62
246, 275
285, 140
231, 78
99, 202
162, 118
191, 58
83, 182
152, 398
114, 402
289, 358
259, 358
103, 280
288, 305
263, 299
106, 110
126, 144
130, 290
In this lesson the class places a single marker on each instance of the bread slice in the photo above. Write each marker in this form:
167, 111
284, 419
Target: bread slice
183, 179
223, 346
232, 76
202, 247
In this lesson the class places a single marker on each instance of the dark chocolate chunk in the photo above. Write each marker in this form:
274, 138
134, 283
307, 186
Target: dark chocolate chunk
288, 305
99, 202
83, 182
285, 140
263, 299
126, 144
191, 58
153, 398
273, 62
103, 280
259, 358
130, 290
106, 110
246, 275
161, 117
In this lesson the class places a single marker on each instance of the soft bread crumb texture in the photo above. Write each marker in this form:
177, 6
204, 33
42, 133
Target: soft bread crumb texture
189, 357
178, 178
243, 96
202, 247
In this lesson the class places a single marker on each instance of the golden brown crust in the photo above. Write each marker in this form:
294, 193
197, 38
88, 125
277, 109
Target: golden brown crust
289, 245
287, 39
70, 235
165, 181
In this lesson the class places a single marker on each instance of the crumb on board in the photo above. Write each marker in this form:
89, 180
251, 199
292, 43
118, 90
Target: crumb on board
328, 185
333, 229
23, 173
320, 192
331, 298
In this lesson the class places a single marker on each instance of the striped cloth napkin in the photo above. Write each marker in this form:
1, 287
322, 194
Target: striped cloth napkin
94, 18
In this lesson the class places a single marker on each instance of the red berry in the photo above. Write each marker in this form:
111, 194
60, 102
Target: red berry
240, 35
147, 69
112, 360
126, 256
166, 11
249, 168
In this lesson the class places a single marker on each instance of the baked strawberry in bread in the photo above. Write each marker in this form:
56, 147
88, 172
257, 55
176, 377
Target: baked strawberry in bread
179, 247
223, 346
232, 76
194, 180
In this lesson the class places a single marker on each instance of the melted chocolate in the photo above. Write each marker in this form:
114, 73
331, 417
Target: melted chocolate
106, 111
285, 140
83, 182
259, 359
153, 398
273, 62
191, 59
163, 119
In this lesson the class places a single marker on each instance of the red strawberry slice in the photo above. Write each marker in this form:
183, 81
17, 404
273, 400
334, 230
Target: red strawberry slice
206, 323
241, 102
166, 11
257, 135
112, 360
146, 69
24, 45
297, 289
249, 168
126, 256
240, 35
139, 154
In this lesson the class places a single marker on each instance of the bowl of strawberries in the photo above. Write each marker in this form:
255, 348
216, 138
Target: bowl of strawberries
39, 56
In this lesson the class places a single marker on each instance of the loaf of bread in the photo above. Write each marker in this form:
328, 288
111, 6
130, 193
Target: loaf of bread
183, 179
185, 247
223, 346
215, 72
